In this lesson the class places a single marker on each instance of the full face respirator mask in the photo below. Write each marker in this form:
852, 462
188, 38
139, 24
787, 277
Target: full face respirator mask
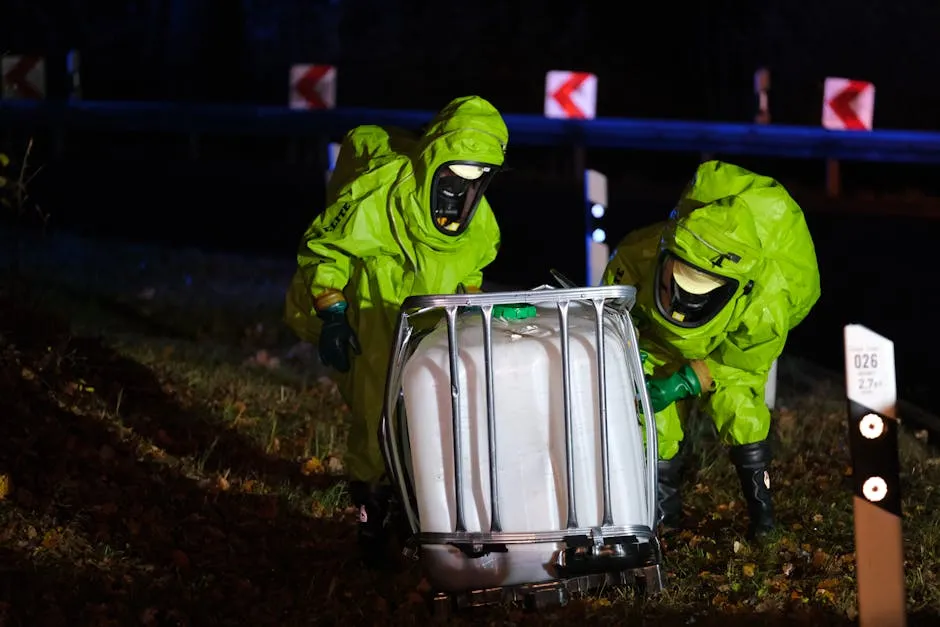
455, 194
690, 296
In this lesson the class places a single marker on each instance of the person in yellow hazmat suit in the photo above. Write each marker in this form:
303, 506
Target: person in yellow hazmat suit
405, 215
719, 286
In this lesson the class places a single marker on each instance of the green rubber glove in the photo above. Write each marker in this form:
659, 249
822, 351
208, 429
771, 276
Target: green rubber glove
337, 338
665, 392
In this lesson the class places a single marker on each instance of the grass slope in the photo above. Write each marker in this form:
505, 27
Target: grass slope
165, 459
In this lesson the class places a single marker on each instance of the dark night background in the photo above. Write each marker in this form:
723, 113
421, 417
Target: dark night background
653, 60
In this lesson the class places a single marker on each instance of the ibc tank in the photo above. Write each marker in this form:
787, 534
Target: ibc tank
530, 439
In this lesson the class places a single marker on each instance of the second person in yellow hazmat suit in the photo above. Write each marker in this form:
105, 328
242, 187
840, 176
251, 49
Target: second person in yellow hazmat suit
719, 287
405, 216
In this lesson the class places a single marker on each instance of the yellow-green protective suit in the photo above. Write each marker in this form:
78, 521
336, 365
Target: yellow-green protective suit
725, 209
377, 244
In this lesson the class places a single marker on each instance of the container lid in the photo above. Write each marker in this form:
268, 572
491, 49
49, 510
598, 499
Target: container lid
514, 312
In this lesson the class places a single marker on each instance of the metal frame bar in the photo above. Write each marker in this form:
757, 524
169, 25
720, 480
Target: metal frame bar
613, 300
529, 537
566, 400
487, 313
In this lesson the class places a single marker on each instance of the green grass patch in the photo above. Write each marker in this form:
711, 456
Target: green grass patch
191, 474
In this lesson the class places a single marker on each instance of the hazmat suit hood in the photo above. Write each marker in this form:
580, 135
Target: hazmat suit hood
453, 163
736, 251
374, 245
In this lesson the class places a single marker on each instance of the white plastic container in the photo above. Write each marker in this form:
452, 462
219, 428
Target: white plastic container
530, 440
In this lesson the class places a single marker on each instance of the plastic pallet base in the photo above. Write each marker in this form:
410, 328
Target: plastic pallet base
539, 596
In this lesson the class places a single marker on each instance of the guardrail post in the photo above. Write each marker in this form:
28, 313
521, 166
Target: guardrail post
833, 178
293, 150
193, 146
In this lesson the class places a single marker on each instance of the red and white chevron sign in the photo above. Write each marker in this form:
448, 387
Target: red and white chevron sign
570, 95
23, 77
848, 105
312, 87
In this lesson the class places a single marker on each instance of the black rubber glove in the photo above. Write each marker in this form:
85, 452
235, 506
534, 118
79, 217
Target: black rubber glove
336, 337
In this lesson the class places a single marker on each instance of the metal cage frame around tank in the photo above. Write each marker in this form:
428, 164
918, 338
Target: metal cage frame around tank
614, 301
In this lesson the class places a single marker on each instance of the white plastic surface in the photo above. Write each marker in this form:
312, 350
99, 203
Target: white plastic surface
530, 440
770, 389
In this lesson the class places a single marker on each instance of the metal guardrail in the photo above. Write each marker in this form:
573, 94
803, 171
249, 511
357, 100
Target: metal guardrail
615, 301
777, 140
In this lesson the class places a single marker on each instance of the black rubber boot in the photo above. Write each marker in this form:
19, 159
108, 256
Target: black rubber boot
752, 462
669, 492
374, 503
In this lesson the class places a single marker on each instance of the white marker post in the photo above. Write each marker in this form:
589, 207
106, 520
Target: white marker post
73, 69
311, 87
74, 93
770, 388
598, 252
848, 105
571, 96
871, 392
761, 87
22, 77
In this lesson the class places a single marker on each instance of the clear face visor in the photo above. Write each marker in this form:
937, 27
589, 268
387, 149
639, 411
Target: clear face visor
689, 296
456, 191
